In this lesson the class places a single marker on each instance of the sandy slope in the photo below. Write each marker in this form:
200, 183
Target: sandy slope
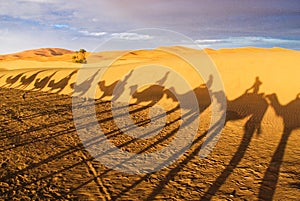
238, 67
256, 157
277, 69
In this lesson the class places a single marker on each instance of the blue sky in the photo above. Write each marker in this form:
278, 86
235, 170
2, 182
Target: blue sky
28, 24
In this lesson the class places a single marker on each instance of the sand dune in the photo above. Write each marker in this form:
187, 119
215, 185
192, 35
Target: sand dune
238, 67
37, 54
256, 158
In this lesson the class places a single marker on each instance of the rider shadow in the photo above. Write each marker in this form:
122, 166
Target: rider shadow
290, 113
251, 105
42, 83
150, 95
107, 90
202, 96
84, 87
12, 80
61, 84
255, 86
111, 90
26, 81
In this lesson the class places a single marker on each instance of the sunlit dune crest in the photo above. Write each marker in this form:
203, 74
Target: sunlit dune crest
42, 54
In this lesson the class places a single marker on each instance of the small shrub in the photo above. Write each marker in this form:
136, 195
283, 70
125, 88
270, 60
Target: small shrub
79, 56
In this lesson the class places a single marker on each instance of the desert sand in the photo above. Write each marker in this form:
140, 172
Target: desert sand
256, 158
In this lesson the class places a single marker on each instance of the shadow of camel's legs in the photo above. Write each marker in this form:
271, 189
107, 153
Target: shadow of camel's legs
239, 154
268, 185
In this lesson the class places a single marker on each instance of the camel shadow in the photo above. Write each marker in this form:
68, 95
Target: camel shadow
42, 83
290, 113
254, 106
12, 80
154, 93
61, 84
26, 81
106, 89
83, 88
201, 93
115, 89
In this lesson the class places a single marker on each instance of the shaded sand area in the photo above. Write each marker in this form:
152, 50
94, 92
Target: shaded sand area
256, 158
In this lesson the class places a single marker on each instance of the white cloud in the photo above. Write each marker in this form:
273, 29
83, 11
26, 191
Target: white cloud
208, 41
256, 41
87, 33
131, 36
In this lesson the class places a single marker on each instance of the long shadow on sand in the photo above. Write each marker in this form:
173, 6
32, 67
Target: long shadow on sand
36, 136
12, 79
58, 86
42, 83
251, 105
26, 135
204, 101
18, 134
25, 81
290, 113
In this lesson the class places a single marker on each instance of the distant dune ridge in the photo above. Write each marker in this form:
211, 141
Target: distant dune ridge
42, 52
37, 54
